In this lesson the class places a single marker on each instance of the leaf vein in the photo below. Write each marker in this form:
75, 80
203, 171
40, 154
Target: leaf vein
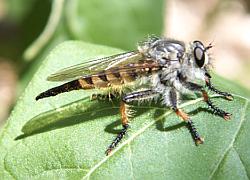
243, 164
90, 171
140, 131
232, 142
130, 161
8, 170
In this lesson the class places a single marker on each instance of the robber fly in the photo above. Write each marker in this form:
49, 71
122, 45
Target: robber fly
160, 69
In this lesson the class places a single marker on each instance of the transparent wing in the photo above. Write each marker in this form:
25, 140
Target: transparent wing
128, 68
94, 66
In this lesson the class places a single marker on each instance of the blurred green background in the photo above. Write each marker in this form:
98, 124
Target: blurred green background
30, 29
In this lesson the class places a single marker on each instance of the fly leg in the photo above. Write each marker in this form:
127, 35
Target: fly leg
215, 109
211, 87
189, 123
125, 125
126, 113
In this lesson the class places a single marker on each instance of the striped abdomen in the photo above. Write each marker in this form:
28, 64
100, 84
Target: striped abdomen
119, 75
112, 77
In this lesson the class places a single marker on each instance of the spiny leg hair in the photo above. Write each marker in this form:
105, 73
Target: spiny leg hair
140, 95
128, 98
189, 123
214, 108
211, 87
118, 138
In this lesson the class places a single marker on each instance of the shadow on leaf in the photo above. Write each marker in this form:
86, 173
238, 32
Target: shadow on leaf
72, 114
68, 115
80, 111
160, 124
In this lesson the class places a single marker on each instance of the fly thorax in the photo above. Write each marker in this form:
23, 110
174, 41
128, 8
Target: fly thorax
157, 84
165, 51
193, 74
168, 77
145, 47
169, 72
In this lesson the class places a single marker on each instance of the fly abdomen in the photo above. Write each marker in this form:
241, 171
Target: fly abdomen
83, 83
129, 73
112, 77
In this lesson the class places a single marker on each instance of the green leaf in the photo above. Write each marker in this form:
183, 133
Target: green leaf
115, 23
67, 135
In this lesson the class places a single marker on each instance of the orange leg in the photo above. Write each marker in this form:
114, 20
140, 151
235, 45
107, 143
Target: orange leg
195, 87
215, 109
126, 113
124, 119
190, 125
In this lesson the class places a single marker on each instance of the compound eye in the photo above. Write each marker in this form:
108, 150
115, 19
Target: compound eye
199, 55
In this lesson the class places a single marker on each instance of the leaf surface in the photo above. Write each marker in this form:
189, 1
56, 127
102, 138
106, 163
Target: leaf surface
72, 133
